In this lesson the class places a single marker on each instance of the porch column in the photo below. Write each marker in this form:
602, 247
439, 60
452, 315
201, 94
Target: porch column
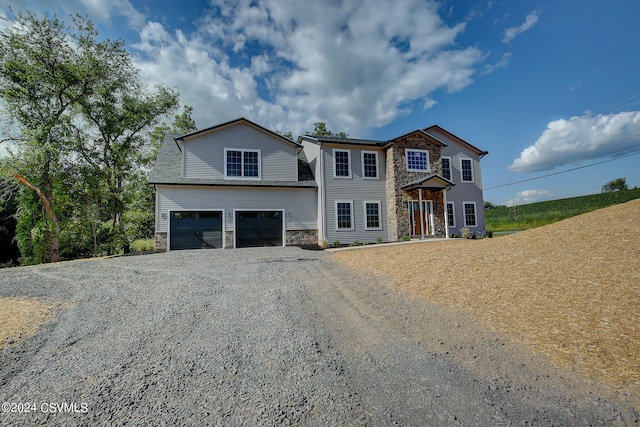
421, 214
446, 214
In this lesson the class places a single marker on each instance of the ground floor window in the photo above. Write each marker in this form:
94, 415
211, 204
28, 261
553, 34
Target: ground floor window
470, 214
344, 215
451, 214
372, 215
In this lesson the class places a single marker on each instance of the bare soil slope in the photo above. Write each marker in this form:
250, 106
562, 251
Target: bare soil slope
570, 290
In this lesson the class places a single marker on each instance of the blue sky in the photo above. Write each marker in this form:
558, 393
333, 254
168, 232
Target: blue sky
545, 86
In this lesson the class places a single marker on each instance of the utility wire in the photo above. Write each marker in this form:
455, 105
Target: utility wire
625, 103
568, 170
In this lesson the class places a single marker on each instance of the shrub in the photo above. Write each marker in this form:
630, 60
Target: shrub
379, 240
325, 244
336, 242
405, 238
466, 233
355, 243
454, 235
489, 234
142, 245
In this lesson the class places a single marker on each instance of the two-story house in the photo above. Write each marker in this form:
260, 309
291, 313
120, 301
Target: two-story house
426, 183
238, 184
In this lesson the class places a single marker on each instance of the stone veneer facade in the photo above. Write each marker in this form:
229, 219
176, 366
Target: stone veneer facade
398, 177
160, 241
302, 237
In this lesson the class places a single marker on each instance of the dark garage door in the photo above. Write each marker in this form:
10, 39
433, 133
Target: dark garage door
263, 228
196, 230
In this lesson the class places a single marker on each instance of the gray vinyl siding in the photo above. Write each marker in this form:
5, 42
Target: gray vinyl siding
203, 155
312, 151
464, 191
354, 189
299, 203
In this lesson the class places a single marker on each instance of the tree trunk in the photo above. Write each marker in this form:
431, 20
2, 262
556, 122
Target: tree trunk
54, 249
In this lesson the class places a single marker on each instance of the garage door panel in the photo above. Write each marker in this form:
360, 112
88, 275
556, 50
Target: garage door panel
258, 228
196, 230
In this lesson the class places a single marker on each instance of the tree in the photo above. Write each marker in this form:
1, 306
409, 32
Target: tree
120, 113
83, 119
320, 129
617, 184
42, 76
182, 124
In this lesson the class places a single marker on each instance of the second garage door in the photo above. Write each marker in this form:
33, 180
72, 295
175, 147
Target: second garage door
258, 228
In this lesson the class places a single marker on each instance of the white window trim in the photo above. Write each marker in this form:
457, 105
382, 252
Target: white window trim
452, 224
243, 178
406, 152
464, 213
462, 171
364, 206
375, 153
342, 150
350, 202
450, 167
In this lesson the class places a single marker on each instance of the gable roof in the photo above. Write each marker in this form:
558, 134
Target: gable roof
433, 181
421, 132
168, 170
480, 152
236, 122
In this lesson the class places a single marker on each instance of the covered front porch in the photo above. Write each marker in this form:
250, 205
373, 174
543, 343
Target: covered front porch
424, 203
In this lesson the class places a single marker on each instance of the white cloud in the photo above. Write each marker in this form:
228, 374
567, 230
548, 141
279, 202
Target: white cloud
356, 65
98, 10
579, 139
531, 196
529, 22
502, 63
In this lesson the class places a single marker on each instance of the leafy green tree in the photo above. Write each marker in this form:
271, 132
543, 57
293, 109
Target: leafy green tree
320, 129
618, 184
42, 76
83, 145
182, 124
122, 113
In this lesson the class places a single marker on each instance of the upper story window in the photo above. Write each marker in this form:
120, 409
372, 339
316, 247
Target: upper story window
446, 167
242, 163
466, 170
370, 164
341, 163
417, 160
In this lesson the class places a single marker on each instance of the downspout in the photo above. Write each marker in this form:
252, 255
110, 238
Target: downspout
446, 213
421, 214
322, 197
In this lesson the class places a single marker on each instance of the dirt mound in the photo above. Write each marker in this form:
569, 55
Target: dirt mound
570, 289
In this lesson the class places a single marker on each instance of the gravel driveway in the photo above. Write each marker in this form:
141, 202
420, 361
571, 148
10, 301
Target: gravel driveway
269, 337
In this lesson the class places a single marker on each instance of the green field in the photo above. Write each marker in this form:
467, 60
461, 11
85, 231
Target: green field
542, 213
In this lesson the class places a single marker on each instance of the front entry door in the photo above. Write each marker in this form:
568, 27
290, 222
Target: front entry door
414, 218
